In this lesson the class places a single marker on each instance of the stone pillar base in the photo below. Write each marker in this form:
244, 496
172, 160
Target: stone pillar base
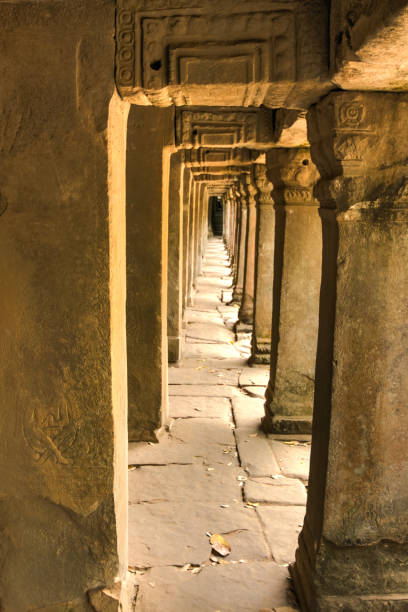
282, 424
347, 561
260, 352
242, 327
174, 348
236, 296
190, 298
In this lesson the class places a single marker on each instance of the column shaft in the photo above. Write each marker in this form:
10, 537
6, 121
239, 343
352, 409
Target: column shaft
353, 549
246, 312
289, 397
243, 225
175, 258
186, 189
147, 252
264, 262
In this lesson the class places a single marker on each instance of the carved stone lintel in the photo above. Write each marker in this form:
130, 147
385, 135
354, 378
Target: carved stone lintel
241, 53
224, 128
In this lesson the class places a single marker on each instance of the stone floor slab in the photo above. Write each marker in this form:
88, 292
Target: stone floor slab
178, 483
175, 533
183, 407
256, 455
202, 316
293, 459
211, 351
229, 363
282, 525
248, 587
166, 452
278, 490
202, 375
255, 391
211, 332
209, 441
256, 375
215, 390
248, 412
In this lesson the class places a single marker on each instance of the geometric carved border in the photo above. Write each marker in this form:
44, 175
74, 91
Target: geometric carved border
168, 53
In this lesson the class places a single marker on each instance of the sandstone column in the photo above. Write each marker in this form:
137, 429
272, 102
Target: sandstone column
63, 451
197, 233
246, 312
186, 189
298, 257
264, 258
150, 132
241, 239
202, 214
191, 250
353, 547
175, 258
226, 218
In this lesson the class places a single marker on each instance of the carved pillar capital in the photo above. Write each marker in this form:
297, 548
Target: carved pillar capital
250, 190
363, 166
293, 175
263, 185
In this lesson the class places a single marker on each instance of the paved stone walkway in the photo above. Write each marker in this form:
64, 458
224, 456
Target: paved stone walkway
215, 472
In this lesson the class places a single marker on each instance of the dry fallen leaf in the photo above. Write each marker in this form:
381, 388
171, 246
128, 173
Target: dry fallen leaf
220, 544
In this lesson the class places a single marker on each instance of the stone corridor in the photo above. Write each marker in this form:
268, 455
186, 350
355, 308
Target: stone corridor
214, 471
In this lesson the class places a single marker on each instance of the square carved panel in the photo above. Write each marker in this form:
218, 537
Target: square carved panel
193, 53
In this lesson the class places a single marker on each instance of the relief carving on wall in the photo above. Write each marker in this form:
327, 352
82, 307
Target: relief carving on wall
352, 133
50, 434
